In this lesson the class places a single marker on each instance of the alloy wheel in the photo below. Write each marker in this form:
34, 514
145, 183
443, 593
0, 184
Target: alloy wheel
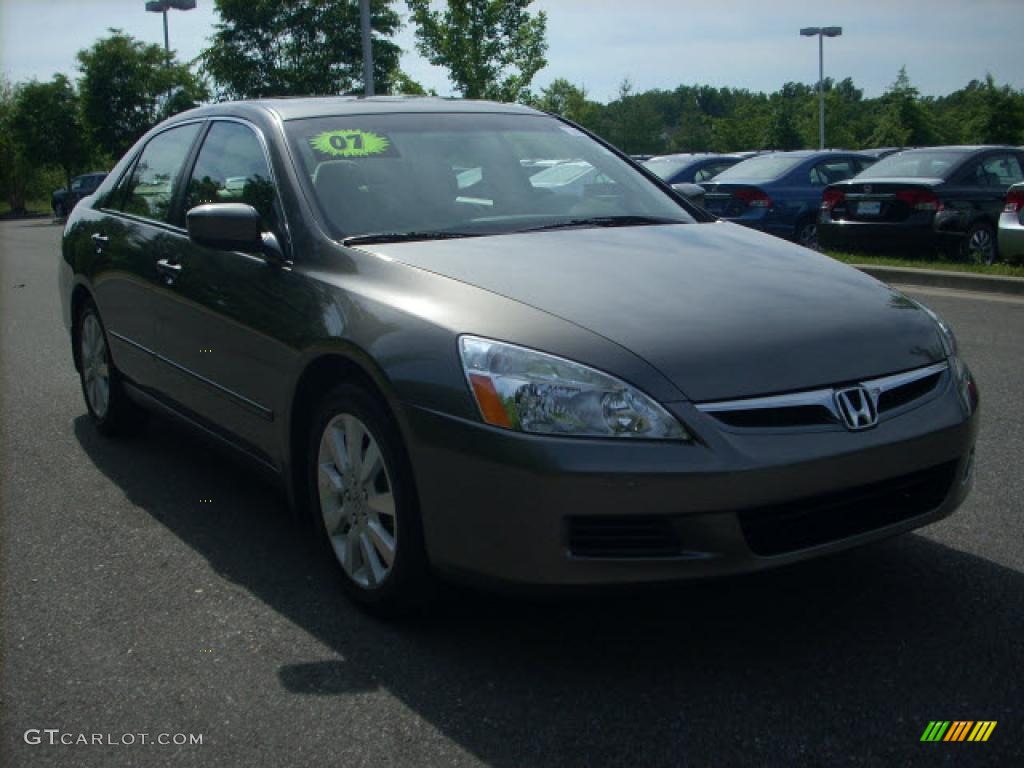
981, 246
357, 502
807, 235
95, 365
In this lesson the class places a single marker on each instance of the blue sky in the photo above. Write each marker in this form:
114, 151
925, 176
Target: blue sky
656, 43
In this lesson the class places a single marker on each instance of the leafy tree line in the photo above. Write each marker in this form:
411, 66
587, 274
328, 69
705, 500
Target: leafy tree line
491, 49
701, 118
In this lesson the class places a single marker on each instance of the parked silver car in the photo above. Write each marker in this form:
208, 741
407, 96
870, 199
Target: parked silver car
1011, 225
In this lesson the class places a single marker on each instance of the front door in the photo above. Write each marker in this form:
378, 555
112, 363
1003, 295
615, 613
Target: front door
222, 322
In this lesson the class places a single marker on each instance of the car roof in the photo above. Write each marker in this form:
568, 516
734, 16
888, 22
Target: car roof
298, 108
959, 148
698, 156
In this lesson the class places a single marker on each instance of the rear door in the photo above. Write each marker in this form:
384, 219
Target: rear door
130, 235
979, 188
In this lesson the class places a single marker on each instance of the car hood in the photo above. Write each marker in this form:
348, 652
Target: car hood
722, 311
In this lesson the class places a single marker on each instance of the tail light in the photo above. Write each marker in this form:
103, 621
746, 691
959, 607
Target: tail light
1014, 201
920, 199
832, 198
753, 197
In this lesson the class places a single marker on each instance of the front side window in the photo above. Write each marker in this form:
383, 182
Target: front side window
151, 185
232, 168
466, 174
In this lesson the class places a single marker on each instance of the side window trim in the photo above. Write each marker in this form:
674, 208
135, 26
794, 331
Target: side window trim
181, 190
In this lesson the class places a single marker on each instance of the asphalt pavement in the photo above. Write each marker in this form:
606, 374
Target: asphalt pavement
129, 606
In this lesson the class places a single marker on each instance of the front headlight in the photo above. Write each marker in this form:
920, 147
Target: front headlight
529, 391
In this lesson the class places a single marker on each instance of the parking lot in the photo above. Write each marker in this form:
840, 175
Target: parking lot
154, 585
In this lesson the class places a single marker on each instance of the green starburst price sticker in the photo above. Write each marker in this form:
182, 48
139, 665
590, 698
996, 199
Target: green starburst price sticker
350, 143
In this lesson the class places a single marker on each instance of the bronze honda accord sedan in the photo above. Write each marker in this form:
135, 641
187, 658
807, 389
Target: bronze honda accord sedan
471, 338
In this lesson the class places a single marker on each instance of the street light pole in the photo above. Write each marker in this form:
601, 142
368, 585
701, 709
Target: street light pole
821, 33
364, 19
163, 6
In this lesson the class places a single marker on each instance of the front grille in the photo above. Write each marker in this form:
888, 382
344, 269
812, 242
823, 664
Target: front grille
908, 393
622, 537
810, 522
775, 418
817, 408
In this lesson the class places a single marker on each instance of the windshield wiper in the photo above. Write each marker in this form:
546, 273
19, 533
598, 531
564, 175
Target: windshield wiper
606, 221
398, 237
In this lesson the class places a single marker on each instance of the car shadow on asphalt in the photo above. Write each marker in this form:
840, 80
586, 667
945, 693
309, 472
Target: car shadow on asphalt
845, 659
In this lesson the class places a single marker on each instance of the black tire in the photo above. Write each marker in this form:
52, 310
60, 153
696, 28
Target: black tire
407, 588
980, 244
806, 233
59, 212
120, 415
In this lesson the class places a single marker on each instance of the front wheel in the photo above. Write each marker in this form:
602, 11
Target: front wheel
980, 244
365, 509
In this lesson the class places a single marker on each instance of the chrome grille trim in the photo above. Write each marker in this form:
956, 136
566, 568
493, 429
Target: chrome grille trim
823, 398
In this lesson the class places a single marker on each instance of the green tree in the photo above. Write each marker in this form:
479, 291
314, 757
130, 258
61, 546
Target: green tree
998, 118
16, 173
300, 47
47, 128
128, 86
783, 131
568, 100
491, 48
903, 119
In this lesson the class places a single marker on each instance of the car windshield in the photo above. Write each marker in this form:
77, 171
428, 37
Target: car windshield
472, 174
924, 165
667, 167
760, 168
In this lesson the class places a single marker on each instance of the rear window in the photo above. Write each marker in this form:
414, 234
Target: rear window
667, 167
760, 168
921, 165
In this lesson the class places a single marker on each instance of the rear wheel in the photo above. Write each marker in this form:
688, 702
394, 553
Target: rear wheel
108, 405
364, 504
980, 244
807, 234
59, 211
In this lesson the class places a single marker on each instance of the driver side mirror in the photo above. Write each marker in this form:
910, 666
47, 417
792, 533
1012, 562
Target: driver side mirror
232, 227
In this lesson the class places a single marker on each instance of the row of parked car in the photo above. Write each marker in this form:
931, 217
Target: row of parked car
963, 201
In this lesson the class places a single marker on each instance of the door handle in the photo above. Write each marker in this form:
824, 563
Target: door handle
168, 270
100, 241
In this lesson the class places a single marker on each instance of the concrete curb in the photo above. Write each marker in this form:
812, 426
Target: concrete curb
936, 278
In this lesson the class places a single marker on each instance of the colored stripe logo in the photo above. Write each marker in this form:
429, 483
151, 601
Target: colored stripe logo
958, 730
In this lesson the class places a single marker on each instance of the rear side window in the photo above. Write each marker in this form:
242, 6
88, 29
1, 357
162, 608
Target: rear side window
763, 168
232, 168
831, 171
151, 186
999, 171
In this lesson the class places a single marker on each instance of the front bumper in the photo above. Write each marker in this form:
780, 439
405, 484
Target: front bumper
505, 506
